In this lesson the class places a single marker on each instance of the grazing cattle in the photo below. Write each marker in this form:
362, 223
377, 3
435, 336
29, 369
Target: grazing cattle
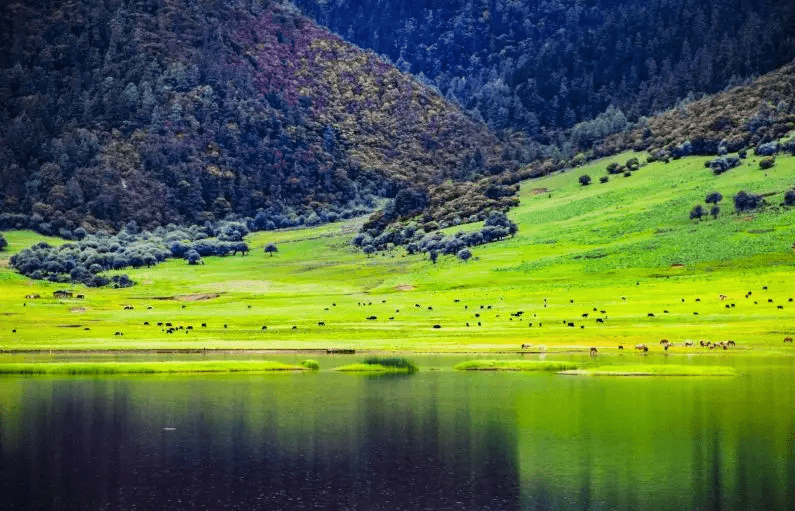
651, 314
129, 307
764, 287
769, 300
525, 346
14, 331
695, 313
456, 300
86, 328
146, 323
788, 339
731, 343
168, 324
478, 323
391, 317
779, 306
321, 323
571, 301
249, 306
264, 327
623, 297
688, 343
603, 312
437, 326
372, 318
600, 320
430, 308
641, 347
225, 325
477, 315
789, 299
184, 306
295, 327
594, 309
585, 315
333, 304
698, 299
118, 333
722, 297
621, 346
190, 327
593, 351
397, 310
417, 305
666, 347
683, 300
663, 341
204, 325
570, 325
160, 323
727, 306
665, 311
149, 307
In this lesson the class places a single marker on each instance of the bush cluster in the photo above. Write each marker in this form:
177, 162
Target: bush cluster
85, 260
722, 164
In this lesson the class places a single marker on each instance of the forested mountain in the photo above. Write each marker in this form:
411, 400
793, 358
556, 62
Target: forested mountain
184, 111
543, 65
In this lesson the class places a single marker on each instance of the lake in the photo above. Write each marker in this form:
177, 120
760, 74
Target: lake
437, 439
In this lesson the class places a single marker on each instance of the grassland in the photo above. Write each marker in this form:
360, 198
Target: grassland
626, 247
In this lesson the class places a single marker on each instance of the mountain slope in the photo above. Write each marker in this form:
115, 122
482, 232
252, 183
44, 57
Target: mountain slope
539, 66
186, 111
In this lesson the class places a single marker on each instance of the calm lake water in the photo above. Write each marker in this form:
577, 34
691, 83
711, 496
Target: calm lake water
433, 440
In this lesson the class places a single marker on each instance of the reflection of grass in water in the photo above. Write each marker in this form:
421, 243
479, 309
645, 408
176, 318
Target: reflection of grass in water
654, 370
514, 365
76, 368
382, 365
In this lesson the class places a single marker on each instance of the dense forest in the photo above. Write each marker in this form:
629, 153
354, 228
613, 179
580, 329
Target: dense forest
187, 112
542, 66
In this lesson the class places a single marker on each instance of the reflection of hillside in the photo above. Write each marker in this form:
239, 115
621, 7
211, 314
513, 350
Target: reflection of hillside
278, 441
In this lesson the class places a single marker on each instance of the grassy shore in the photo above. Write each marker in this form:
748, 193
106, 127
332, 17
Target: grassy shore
609, 264
381, 365
515, 365
653, 370
104, 368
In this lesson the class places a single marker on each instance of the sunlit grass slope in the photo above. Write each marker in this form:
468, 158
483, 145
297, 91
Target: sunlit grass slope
625, 247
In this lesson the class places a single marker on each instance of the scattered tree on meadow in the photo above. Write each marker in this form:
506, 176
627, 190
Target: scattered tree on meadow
697, 212
745, 201
714, 198
715, 211
767, 162
193, 257
434, 256
789, 198
464, 254
585, 180
604, 179
270, 248
3, 243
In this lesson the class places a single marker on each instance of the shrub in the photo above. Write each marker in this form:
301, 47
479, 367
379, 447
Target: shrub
767, 162
604, 179
585, 180
745, 201
723, 163
715, 211
714, 198
627, 174
697, 212
193, 257
789, 198
3, 243
464, 254
769, 149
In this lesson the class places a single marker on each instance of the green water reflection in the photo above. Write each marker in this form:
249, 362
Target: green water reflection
434, 440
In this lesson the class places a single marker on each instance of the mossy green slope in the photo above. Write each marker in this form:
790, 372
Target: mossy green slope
626, 247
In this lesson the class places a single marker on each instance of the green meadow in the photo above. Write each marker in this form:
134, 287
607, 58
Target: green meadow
608, 264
